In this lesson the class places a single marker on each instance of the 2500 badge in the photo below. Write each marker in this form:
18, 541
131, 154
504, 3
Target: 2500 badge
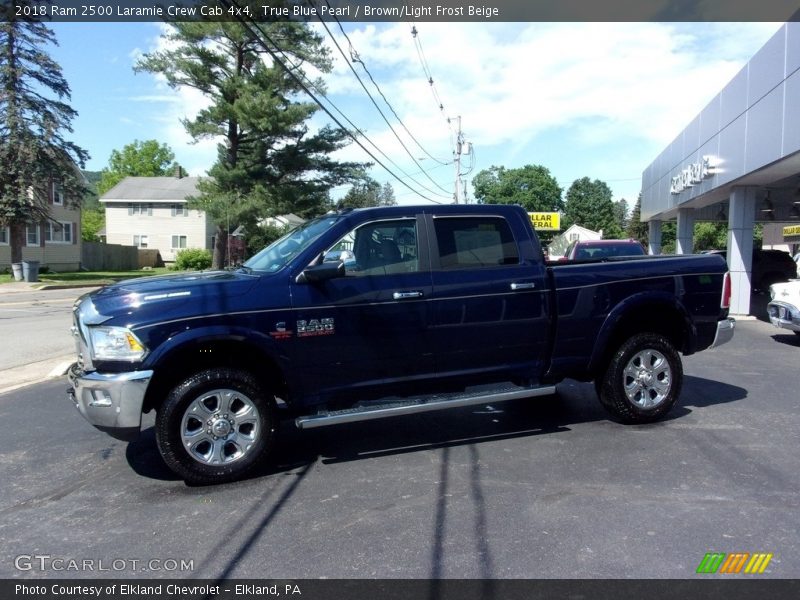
314, 327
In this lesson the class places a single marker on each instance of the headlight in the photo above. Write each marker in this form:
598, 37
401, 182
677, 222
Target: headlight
115, 343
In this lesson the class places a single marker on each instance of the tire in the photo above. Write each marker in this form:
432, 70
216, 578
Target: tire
643, 379
215, 426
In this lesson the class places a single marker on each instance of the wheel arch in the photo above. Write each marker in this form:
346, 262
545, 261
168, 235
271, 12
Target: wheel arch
193, 353
661, 313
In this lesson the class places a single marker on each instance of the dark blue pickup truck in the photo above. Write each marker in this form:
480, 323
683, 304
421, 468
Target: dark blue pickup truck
378, 312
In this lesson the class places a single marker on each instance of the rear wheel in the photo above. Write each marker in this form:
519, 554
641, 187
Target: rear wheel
215, 426
643, 379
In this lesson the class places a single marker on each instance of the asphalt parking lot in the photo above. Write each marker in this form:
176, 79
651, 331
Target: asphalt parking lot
546, 488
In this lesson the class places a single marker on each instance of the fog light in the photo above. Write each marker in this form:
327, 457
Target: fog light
100, 399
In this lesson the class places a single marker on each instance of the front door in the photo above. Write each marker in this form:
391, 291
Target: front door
369, 328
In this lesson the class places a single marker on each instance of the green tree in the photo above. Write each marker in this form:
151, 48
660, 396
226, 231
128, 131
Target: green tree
532, 187
710, 236
621, 214
270, 162
34, 121
636, 229
589, 205
366, 193
92, 221
139, 159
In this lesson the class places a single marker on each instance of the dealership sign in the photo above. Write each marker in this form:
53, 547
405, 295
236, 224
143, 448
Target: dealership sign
691, 175
545, 221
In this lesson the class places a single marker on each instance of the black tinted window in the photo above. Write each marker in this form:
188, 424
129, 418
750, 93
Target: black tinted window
469, 242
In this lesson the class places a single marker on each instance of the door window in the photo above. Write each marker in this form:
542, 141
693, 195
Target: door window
474, 242
380, 248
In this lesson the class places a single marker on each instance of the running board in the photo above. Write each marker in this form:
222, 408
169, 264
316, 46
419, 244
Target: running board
409, 406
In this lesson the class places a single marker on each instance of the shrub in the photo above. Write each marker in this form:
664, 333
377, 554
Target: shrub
193, 258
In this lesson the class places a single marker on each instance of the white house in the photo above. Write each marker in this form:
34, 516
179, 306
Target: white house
288, 220
559, 244
152, 212
55, 243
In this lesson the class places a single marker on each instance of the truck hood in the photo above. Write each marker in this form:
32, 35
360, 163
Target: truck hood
167, 292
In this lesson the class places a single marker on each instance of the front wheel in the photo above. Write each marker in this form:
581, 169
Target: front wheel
215, 426
643, 379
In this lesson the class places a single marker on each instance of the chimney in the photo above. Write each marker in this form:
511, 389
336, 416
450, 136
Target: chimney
178, 172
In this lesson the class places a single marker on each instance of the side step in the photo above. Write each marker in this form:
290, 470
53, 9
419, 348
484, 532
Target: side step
393, 407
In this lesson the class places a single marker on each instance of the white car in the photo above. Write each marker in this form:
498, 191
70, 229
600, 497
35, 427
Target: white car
784, 306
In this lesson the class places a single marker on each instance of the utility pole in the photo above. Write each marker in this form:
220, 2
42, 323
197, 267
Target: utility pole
457, 160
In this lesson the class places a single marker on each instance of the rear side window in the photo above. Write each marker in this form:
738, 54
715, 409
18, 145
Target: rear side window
609, 250
473, 242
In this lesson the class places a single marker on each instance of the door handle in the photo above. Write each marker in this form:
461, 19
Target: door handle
522, 286
406, 295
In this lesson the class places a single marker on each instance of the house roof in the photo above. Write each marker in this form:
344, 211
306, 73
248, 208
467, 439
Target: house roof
152, 189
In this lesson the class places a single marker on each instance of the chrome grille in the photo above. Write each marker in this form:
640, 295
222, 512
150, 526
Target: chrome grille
79, 332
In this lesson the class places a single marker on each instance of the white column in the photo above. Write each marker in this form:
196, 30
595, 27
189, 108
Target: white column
684, 237
654, 237
741, 216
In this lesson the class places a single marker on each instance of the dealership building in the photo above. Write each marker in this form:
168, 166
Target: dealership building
737, 161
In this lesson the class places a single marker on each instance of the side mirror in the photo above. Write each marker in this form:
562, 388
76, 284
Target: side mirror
321, 272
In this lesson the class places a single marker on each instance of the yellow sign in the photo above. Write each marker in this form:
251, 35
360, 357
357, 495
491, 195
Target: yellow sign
548, 221
787, 231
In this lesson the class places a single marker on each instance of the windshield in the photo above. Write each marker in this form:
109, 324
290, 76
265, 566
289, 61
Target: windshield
278, 254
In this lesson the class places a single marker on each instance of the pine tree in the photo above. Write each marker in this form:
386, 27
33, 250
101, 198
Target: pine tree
34, 121
268, 150
636, 229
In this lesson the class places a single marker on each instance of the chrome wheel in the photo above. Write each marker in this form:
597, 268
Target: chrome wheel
219, 427
647, 378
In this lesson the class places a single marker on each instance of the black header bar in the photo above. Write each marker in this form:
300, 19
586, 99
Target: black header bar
394, 10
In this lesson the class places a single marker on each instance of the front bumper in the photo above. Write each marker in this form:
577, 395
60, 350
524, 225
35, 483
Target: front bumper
784, 315
724, 334
112, 402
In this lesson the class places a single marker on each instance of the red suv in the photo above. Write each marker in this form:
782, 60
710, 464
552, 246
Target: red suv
597, 249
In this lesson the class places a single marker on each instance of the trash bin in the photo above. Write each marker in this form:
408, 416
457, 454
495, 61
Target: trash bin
16, 268
30, 270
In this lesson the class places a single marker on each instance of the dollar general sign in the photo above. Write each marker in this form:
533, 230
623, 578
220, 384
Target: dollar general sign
549, 221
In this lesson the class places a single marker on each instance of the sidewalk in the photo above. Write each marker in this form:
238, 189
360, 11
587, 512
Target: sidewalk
19, 286
18, 377
24, 286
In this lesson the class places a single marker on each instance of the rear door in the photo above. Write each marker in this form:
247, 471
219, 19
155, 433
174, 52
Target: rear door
488, 299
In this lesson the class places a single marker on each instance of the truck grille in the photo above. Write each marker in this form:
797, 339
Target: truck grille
81, 342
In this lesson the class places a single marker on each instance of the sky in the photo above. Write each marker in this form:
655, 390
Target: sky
597, 100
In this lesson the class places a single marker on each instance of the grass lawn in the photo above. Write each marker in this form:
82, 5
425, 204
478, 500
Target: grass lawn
89, 277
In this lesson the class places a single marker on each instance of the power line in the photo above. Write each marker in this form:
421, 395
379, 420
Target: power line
429, 77
322, 94
383, 115
354, 55
246, 25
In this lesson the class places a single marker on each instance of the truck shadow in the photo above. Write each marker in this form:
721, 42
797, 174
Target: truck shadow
790, 339
574, 403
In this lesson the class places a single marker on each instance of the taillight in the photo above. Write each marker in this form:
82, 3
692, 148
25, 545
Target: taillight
726, 291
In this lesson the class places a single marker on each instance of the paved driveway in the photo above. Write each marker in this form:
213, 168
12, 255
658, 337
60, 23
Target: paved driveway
543, 488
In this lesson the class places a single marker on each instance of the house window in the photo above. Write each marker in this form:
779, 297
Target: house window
140, 241
58, 233
32, 234
58, 194
180, 210
178, 241
140, 208
5, 235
